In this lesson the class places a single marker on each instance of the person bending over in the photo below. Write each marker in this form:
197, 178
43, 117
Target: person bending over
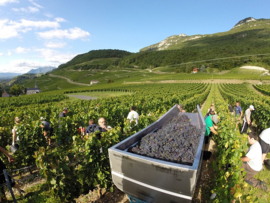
252, 162
210, 122
47, 130
247, 120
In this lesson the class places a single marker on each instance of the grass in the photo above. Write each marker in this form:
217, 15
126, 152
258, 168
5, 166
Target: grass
208, 102
37, 193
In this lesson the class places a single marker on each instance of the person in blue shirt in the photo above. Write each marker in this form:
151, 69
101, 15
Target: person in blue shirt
238, 113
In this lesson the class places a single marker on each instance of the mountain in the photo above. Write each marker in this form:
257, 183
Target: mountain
245, 30
41, 70
8, 75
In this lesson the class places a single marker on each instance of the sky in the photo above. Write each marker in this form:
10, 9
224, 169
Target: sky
40, 33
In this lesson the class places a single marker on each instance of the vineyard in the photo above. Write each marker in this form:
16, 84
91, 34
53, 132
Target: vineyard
79, 163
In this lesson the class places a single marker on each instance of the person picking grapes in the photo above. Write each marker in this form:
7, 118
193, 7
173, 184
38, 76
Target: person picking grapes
247, 120
252, 162
210, 122
181, 108
133, 115
47, 130
2, 177
238, 113
102, 124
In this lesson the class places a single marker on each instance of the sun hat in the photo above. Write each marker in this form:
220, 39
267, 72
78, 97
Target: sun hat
215, 119
251, 107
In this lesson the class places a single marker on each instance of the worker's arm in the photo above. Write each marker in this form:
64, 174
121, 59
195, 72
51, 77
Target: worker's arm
13, 136
245, 159
248, 119
240, 116
212, 129
6, 153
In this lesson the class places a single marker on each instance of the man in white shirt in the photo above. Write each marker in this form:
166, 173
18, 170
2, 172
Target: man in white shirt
265, 142
247, 120
133, 115
252, 162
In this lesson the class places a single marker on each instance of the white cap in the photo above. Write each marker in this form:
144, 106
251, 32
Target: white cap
251, 107
41, 118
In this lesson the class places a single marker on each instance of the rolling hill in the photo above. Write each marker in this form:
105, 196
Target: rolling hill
247, 43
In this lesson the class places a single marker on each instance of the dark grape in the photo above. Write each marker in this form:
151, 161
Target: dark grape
176, 141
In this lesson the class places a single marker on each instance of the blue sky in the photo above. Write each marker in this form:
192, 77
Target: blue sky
36, 33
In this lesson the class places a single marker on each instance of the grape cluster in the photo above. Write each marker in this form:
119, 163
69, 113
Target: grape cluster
176, 141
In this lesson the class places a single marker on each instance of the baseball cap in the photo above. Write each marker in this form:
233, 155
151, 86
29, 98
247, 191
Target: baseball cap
41, 118
252, 107
215, 119
65, 108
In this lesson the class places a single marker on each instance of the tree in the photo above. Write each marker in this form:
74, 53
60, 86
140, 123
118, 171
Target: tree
16, 90
202, 69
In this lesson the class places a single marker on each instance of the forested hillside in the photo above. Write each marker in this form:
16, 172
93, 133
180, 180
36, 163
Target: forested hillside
94, 54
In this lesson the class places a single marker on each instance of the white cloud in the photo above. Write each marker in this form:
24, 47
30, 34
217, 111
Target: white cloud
54, 56
1, 54
55, 44
3, 2
72, 33
23, 66
49, 15
21, 50
60, 20
30, 9
9, 53
35, 4
11, 29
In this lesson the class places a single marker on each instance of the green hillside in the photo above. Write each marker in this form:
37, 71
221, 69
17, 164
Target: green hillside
85, 61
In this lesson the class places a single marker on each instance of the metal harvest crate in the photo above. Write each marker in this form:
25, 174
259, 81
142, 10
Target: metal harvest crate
153, 180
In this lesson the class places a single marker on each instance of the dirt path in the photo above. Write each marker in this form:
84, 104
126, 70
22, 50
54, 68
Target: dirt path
82, 97
68, 80
201, 81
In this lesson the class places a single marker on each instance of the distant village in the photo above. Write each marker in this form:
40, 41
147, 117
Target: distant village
27, 91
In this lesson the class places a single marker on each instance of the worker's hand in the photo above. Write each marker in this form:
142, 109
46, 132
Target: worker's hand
248, 123
10, 159
239, 118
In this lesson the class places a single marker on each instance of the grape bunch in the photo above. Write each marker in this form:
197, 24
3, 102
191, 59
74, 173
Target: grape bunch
176, 142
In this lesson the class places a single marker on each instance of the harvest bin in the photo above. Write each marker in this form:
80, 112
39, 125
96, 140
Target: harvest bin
153, 180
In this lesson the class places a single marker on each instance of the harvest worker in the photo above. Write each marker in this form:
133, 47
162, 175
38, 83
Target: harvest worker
63, 114
247, 120
102, 124
238, 113
92, 127
252, 162
210, 122
47, 130
210, 111
2, 177
265, 142
133, 115
181, 108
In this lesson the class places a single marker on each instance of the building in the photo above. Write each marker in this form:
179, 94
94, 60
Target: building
5, 94
94, 82
33, 90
